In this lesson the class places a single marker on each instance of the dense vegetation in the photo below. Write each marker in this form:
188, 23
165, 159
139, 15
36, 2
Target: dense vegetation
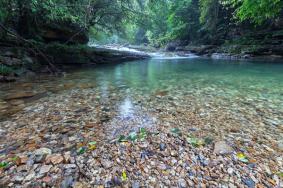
156, 22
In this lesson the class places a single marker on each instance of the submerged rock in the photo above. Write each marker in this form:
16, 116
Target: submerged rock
43, 151
45, 169
221, 147
20, 95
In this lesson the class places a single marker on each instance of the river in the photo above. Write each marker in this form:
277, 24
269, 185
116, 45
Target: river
240, 102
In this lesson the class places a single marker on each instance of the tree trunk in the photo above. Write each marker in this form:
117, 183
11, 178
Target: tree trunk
25, 19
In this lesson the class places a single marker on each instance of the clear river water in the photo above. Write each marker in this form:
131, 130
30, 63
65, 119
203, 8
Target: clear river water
191, 108
259, 84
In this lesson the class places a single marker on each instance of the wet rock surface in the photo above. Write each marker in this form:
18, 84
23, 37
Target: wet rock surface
91, 135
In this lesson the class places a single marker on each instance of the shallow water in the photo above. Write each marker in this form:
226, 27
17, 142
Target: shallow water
258, 84
236, 103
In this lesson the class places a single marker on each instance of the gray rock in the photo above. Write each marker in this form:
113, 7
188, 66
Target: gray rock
107, 164
45, 169
162, 147
182, 183
249, 182
40, 158
30, 176
19, 179
67, 182
136, 184
221, 147
230, 171
43, 151
68, 166
280, 145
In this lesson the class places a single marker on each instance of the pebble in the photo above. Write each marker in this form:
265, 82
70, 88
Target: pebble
221, 147
67, 182
42, 151
182, 183
249, 182
30, 177
45, 169
135, 184
19, 179
162, 147
64, 122
54, 159
107, 164
230, 171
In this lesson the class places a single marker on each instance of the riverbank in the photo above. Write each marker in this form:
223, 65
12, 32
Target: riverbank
18, 62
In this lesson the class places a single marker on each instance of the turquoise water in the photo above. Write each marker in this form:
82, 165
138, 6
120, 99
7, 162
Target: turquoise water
221, 82
229, 79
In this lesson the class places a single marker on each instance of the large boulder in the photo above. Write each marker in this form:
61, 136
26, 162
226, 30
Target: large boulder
64, 33
76, 55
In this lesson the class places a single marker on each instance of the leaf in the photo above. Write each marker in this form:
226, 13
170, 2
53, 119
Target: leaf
15, 158
122, 138
3, 164
208, 140
176, 131
92, 143
81, 150
195, 141
142, 134
92, 147
280, 174
143, 130
242, 157
133, 136
124, 176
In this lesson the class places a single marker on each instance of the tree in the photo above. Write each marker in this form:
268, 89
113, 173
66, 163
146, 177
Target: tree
256, 11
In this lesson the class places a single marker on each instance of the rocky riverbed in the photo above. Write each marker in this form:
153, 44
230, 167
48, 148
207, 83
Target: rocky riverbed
101, 135
74, 139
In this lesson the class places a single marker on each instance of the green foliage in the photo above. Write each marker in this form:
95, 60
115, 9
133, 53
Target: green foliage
5, 70
256, 11
141, 21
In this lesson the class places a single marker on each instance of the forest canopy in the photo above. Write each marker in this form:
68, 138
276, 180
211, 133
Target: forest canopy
143, 21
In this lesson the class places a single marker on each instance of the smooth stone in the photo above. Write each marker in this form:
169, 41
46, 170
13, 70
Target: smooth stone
136, 184
221, 147
30, 176
230, 171
19, 179
43, 151
79, 185
107, 164
162, 167
45, 169
55, 159
68, 166
182, 183
39, 158
249, 182
67, 157
162, 147
67, 182
20, 95
280, 145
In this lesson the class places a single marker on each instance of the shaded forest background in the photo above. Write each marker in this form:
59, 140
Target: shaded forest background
155, 22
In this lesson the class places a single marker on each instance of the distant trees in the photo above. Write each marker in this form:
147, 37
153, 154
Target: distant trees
154, 21
207, 20
25, 15
256, 11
